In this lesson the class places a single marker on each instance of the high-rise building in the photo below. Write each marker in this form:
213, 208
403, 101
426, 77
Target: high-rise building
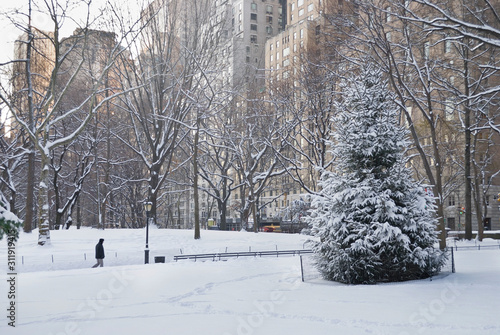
238, 30
42, 57
253, 23
414, 48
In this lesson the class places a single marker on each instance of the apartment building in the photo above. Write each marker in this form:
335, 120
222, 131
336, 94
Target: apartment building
287, 55
288, 60
240, 29
253, 23
42, 56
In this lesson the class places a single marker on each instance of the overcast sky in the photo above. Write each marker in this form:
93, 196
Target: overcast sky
8, 33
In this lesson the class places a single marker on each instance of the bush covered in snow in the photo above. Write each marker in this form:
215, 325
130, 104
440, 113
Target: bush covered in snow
374, 222
9, 222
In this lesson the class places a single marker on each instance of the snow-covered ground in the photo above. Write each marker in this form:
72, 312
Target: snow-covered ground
58, 293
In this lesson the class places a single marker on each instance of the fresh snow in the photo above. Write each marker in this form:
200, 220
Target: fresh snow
59, 293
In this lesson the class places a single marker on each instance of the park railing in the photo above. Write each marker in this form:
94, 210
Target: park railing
476, 247
309, 271
223, 255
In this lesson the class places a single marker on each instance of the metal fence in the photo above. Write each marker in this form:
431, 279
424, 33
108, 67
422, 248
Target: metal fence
224, 255
310, 272
75, 260
476, 247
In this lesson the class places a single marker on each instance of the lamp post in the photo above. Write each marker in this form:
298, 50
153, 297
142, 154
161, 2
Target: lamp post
147, 208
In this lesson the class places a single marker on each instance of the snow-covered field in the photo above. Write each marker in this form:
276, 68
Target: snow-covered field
57, 292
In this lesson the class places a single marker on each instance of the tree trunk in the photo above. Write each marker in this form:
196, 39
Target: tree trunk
254, 213
222, 215
43, 203
79, 210
467, 154
195, 185
107, 167
30, 187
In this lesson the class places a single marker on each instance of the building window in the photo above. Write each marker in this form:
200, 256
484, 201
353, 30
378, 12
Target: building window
388, 14
300, 3
269, 10
426, 50
269, 19
447, 46
253, 6
253, 27
302, 33
253, 16
448, 107
269, 30
253, 38
310, 7
451, 200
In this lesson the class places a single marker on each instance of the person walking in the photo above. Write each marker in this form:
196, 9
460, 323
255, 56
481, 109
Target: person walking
99, 253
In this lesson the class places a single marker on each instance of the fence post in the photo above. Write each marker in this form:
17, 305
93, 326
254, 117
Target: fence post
301, 269
452, 261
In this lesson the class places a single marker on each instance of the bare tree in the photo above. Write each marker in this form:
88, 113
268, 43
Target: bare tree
433, 71
174, 70
12, 167
49, 109
473, 26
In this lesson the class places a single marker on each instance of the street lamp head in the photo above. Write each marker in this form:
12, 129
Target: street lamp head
147, 206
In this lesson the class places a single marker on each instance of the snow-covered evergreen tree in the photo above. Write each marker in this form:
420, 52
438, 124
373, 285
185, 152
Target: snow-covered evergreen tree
374, 222
9, 222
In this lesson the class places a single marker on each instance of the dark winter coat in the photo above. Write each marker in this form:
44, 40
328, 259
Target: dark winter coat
99, 250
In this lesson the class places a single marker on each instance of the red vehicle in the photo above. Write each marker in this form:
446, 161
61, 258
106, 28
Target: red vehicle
271, 228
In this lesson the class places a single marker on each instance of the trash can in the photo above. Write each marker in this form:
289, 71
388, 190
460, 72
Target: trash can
159, 259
